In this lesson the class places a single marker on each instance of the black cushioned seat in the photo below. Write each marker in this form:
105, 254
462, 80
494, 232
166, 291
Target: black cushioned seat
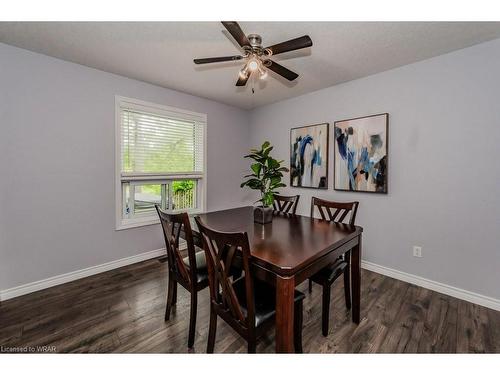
265, 299
201, 266
330, 272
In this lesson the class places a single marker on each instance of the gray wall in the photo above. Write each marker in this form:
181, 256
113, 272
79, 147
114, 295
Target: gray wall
3, 178
57, 166
444, 169
57, 121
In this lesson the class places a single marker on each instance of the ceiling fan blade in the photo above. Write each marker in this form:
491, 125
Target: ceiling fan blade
281, 70
238, 34
291, 45
209, 60
243, 81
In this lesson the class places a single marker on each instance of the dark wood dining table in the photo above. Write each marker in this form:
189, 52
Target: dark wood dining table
288, 251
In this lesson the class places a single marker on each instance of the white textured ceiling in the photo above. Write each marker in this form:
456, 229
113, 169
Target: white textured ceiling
162, 52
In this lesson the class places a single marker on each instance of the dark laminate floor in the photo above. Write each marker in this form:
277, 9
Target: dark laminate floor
122, 311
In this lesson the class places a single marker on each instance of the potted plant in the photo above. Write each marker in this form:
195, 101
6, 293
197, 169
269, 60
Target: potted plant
266, 177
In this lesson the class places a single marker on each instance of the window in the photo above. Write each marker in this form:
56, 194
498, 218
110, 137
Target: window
159, 160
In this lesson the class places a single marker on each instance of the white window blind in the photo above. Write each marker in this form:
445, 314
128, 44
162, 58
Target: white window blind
159, 161
160, 144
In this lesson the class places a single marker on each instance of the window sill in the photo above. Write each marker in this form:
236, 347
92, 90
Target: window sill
145, 221
129, 224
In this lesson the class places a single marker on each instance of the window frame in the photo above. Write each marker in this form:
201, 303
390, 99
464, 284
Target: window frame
123, 223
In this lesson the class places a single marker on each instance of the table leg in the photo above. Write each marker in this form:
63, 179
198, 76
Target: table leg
285, 289
356, 280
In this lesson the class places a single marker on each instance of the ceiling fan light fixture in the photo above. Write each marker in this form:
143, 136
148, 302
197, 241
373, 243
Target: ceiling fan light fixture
253, 65
262, 72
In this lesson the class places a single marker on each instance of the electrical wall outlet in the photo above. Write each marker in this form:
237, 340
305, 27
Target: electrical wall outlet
417, 251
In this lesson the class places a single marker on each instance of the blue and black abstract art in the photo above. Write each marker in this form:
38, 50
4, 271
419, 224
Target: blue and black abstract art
309, 156
361, 154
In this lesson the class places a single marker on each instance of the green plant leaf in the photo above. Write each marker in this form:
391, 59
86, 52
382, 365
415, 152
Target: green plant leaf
256, 167
275, 180
272, 163
255, 183
258, 159
267, 151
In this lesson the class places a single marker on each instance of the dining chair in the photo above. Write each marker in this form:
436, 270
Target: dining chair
336, 212
191, 271
284, 204
248, 305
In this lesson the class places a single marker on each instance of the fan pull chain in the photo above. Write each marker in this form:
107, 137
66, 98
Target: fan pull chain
253, 84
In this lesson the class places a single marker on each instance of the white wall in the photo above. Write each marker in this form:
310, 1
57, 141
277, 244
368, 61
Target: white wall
444, 163
57, 177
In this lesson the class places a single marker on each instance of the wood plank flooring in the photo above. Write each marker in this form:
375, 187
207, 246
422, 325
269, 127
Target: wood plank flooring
123, 311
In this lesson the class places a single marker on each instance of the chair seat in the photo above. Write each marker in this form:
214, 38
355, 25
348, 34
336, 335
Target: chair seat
201, 266
330, 273
265, 299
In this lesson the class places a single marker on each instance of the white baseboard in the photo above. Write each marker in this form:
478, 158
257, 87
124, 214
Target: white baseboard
75, 275
465, 295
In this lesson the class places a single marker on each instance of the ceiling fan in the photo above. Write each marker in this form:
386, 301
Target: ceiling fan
257, 57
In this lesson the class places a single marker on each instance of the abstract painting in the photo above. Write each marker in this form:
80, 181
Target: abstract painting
361, 154
309, 156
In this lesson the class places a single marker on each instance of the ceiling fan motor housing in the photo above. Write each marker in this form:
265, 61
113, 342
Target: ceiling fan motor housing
255, 40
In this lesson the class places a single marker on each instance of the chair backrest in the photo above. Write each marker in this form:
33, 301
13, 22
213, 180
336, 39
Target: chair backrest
286, 204
173, 225
335, 211
220, 251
